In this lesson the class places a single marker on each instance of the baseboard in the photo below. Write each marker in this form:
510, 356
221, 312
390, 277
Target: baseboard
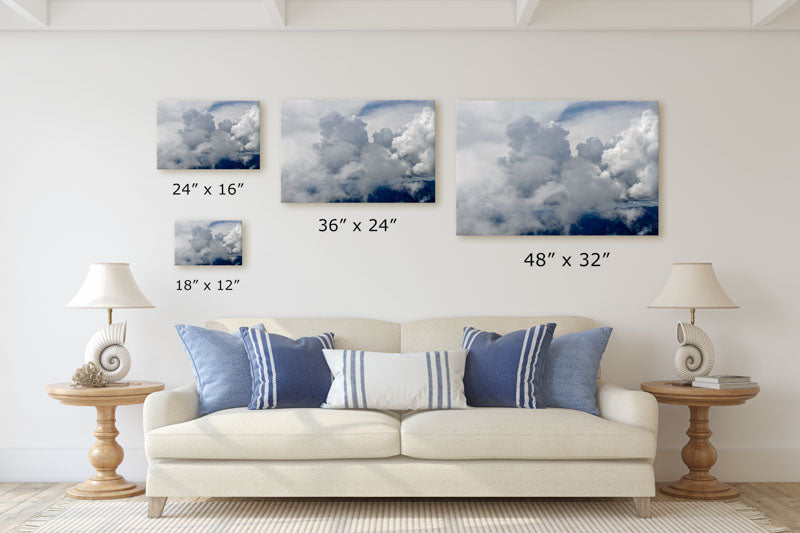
52, 464
738, 464
68, 464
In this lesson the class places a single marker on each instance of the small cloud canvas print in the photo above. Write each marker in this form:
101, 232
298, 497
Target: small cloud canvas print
358, 151
557, 168
208, 242
222, 134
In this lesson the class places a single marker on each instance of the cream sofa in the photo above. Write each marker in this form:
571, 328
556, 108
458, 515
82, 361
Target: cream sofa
480, 452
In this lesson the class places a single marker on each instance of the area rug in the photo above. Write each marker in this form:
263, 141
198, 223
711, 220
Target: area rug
565, 516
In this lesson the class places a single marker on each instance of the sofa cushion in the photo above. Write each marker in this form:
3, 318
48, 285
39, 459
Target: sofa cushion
286, 372
571, 368
509, 433
280, 434
506, 370
220, 365
397, 381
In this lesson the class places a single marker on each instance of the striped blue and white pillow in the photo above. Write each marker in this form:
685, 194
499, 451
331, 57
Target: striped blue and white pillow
506, 371
409, 381
286, 372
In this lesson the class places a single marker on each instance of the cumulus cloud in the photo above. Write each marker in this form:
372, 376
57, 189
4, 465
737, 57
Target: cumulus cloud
540, 182
384, 137
346, 151
416, 143
248, 129
632, 157
205, 135
591, 149
208, 242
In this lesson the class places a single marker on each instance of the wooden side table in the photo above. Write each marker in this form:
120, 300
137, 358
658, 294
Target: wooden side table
698, 454
106, 454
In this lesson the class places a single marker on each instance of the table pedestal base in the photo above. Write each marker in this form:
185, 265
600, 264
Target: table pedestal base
699, 455
105, 456
105, 490
709, 489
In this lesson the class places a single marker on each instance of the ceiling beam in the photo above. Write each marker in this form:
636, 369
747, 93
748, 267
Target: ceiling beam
527, 15
400, 14
277, 11
34, 11
200, 15
765, 11
525, 9
643, 15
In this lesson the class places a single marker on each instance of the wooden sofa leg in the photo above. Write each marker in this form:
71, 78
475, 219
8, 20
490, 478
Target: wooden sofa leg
155, 506
642, 506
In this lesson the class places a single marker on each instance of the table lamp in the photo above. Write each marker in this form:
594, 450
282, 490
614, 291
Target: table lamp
693, 286
109, 286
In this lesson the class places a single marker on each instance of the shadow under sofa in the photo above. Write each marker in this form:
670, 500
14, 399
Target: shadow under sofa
477, 452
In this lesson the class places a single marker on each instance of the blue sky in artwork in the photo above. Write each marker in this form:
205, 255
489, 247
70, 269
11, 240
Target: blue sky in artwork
223, 223
576, 109
381, 151
375, 105
216, 106
557, 168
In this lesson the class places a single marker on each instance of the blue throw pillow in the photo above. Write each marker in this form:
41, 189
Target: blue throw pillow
570, 370
286, 372
220, 365
506, 371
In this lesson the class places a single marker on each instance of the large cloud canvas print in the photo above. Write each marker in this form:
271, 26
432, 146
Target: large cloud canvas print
208, 242
358, 151
557, 168
223, 134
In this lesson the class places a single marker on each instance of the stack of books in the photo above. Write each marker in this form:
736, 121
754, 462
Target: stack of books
723, 382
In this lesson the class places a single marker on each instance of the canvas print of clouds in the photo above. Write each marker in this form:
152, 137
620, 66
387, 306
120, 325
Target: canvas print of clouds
208, 242
358, 151
223, 134
557, 168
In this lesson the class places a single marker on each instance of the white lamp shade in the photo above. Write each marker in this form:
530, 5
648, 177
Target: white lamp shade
693, 286
109, 286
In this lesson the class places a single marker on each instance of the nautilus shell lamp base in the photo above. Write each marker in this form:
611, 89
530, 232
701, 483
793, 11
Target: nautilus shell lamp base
107, 350
695, 356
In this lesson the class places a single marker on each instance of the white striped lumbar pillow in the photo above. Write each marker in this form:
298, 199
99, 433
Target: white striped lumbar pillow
396, 381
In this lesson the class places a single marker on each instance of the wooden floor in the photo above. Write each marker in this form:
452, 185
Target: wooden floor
21, 501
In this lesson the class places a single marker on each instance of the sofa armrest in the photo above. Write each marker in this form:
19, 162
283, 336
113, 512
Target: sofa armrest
635, 408
169, 407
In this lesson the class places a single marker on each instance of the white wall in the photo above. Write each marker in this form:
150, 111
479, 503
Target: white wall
79, 184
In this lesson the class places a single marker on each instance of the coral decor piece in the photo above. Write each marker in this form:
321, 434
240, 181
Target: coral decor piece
89, 375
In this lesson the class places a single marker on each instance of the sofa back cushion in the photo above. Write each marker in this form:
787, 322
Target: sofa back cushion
447, 333
417, 336
351, 333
